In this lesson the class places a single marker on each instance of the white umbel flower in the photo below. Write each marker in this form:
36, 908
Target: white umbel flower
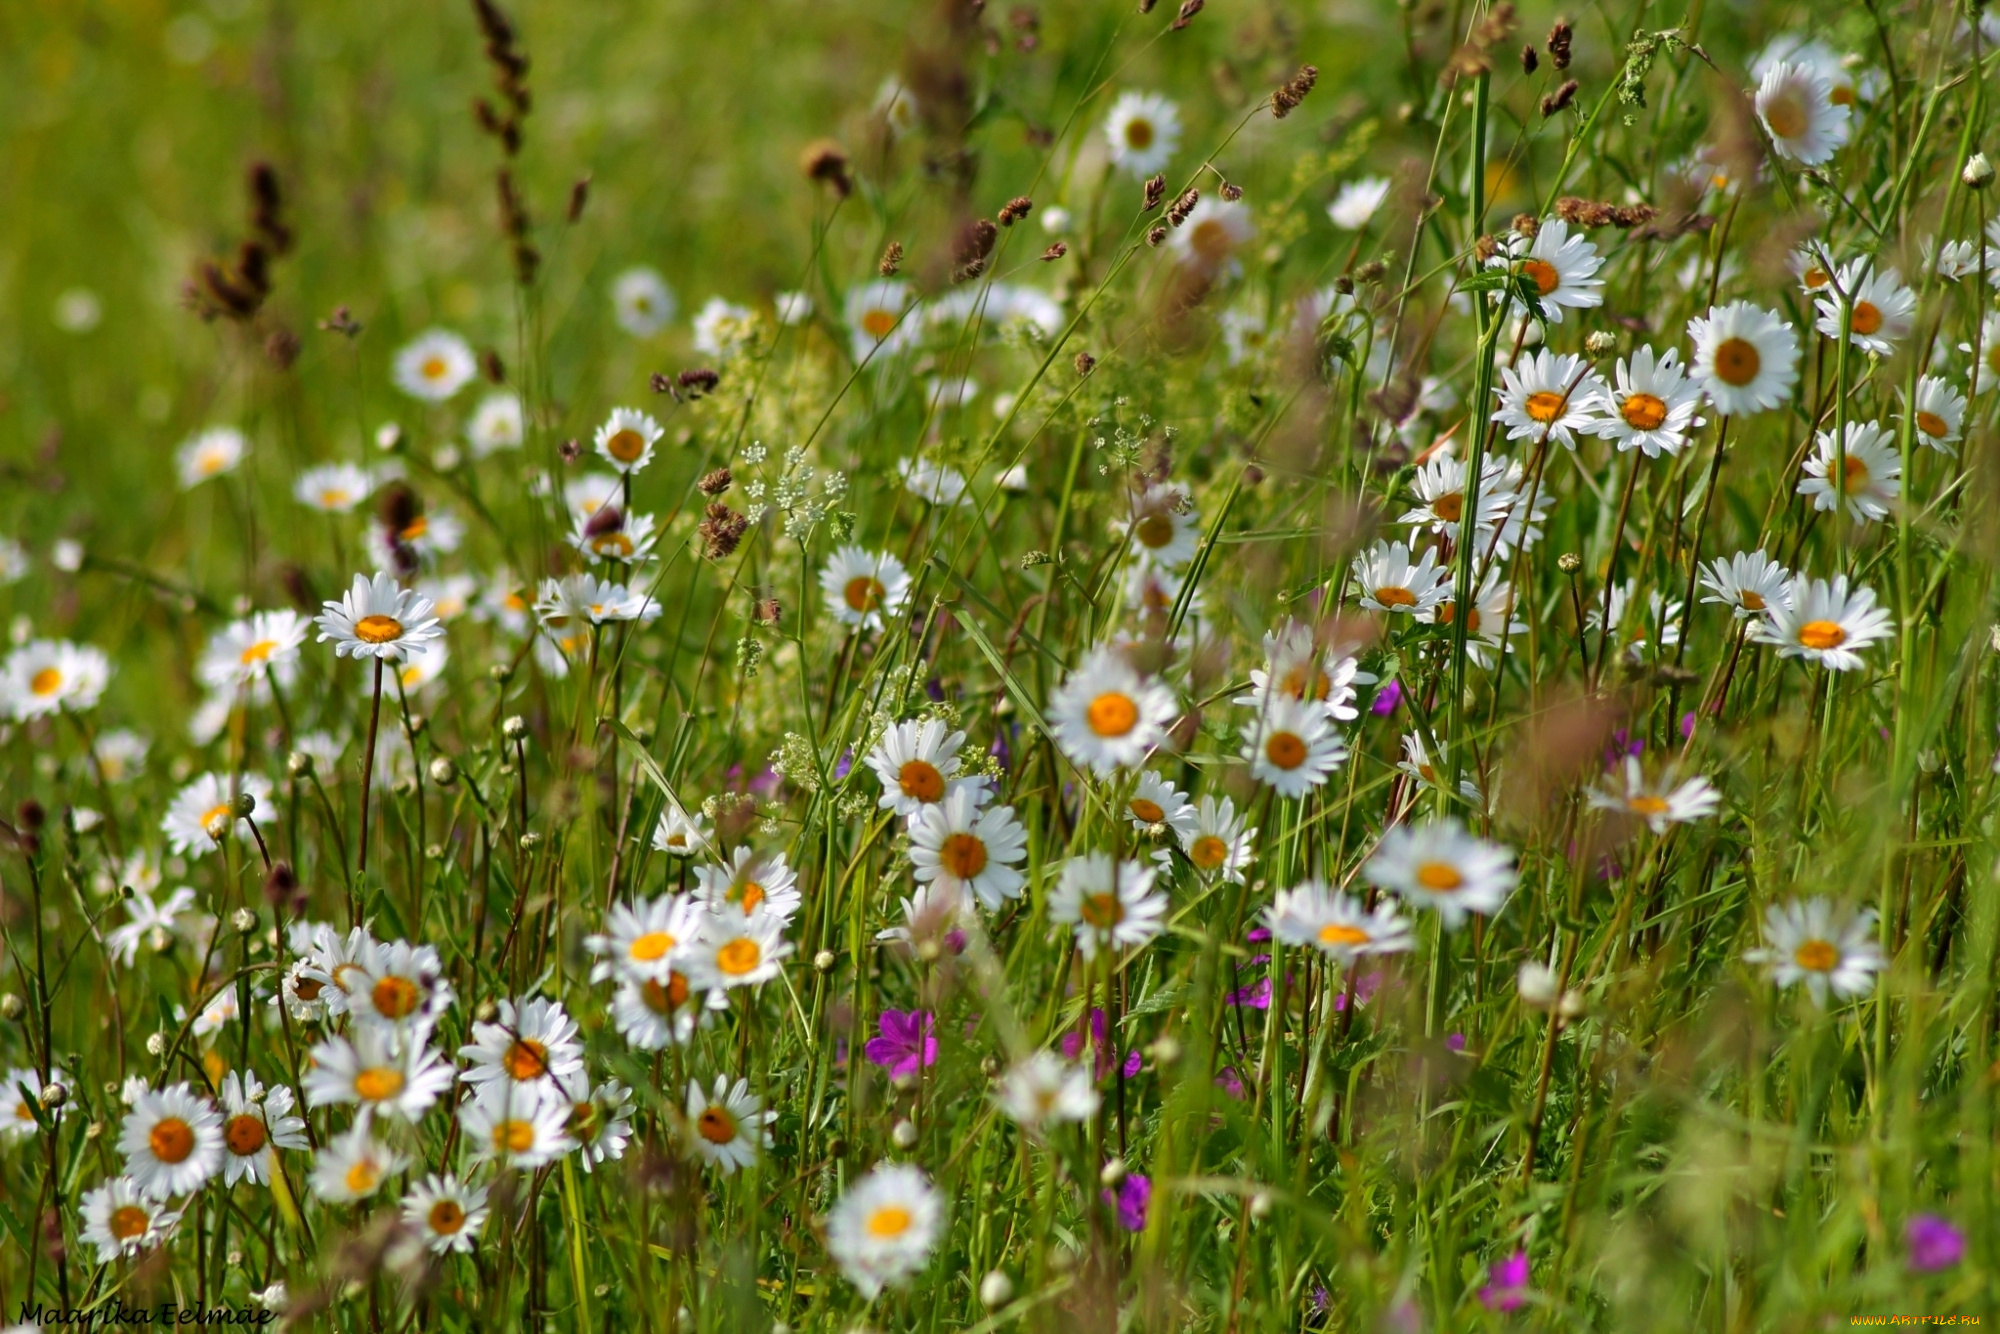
1831, 950
446, 1213
1660, 802
1107, 716
1549, 396
1795, 103
1866, 474
1824, 622
434, 366
1044, 1091
1143, 131
377, 619
1336, 924
1291, 747
882, 1230
729, 1128
1111, 905
1652, 407
172, 1141
864, 589
1442, 865
1881, 308
1746, 359
1391, 582
1939, 414
957, 848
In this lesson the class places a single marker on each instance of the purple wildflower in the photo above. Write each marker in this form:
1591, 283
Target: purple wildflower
845, 766
1456, 1042
908, 1042
1507, 1287
1256, 996
1934, 1243
1072, 1047
1229, 1083
1623, 743
1687, 724
1135, 1192
1386, 699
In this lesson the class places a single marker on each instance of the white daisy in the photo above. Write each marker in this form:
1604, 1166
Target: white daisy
212, 453
423, 539
728, 1128
723, 328
880, 319
497, 423
332, 488
655, 1014
1746, 359
1749, 583
149, 921
1220, 842
1291, 747
1044, 1091
353, 1166
451, 597
1659, 802
172, 1141
591, 493
600, 1121
793, 308
643, 940
679, 834
529, 1045
256, 1122
243, 651
613, 534
1550, 396
864, 589
1143, 131
1562, 267
1440, 487
1492, 620
204, 812
1881, 309
1443, 866
737, 951
754, 884
1660, 623
20, 1100
1939, 413
1867, 473
1107, 717
522, 1126
897, 106
1110, 905
933, 483
446, 1213
918, 763
399, 985
1336, 924
1821, 620
1954, 259
121, 755
1156, 803
1215, 232
1810, 269
627, 438
1298, 668
45, 675
335, 964
120, 1219
1986, 368
1357, 201
434, 366
882, 1230
371, 1070
1164, 527
642, 302
377, 619
1795, 103
1829, 948
1390, 582
957, 848
1653, 406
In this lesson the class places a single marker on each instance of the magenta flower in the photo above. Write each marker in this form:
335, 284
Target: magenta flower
1934, 1243
1507, 1285
1386, 699
907, 1044
1135, 1192
1072, 1046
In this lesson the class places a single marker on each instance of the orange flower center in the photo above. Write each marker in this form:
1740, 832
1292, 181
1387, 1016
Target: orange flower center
1208, 852
1139, 134
1737, 361
1155, 530
1822, 634
171, 1139
921, 779
363, 1177
446, 1218
1147, 812
878, 324
245, 1134
1643, 412
1395, 596
379, 1084
395, 997
1866, 319
47, 681
1210, 239
1932, 425
739, 957
526, 1059
1102, 911
1285, 750
964, 855
434, 368
715, 1125
1439, 877
1544, 405
1817, 956
1450, 507
513, 1136
378, 629
1544, 273
1786, 116
663, 999
863, 593
891, 1220
128, 1221
626, 446
651, 946
1646, 804
1112, 714
1752, 600
1336, 933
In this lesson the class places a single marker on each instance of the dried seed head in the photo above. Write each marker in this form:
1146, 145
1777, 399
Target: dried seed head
715, 483
1525, 225
490, 366
1015, 209
1594, 213
1054, 252
698, 380
1485, 248
971, 248
1530, 61
570, 450
281, 349
1371, 272
1287, 96
1085, 363
660, 384
1559, 39
281, 885
579, 195
1157, 236
767, 611
1231, 191
1156, 191
892, 259
1189, 8
721, 531
31, 815
1177, 213
1560, 98
825, 161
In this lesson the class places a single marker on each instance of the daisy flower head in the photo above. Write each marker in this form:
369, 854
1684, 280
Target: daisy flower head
737, 951
722, 329
882, 1230
434, 366
20, 1098
332, 488
1112, 905
1291, 747
1938, 412
1746, 359
1986, 370
421, 540
256, 1121
641, 301
897, 106
728, 1128
1652, 408
1244, 334
1335, 923
1660, 802
617, 535
399, 985
1220, 842
679, 834
531, 1045
864, 589
1444, 866
1297, 667
1549, 396
880, 320
204, 812
451, 597
376, 618
643, 940
1045, 1090
47, 675
1810, 269
1829, 948
1953, 260
1106, 716
592, 492
958, 848
1143, 132
497, 423
652, 1015
1156, 803
1562, 267
753, 884
334, 963
172, 1141
243, 651
1795, 104
1879, 308
1164, 526
353, 1166
518, 1126
1824, 621
446, 1213
600, 1121
917, 761
626, 439
1862, 468
370, 1068
1491, 622
212, 453
1215, 232
1440, 489
1816, 55
1357, 201
1391, 582
793, 308
933, 483
120, 1218
1749, 583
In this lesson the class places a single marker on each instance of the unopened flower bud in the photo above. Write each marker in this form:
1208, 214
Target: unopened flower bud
904, 1136
246, 805
1260, 1204
514, 727
1569, 562
299, 764
996, 1290
499, 673
530, 840
243, 920
388, 437
1600, 343
443, 772
485, 1011
156, 1045
823, 961
1978, 173
12, 1006
54, 1094
1113, 1173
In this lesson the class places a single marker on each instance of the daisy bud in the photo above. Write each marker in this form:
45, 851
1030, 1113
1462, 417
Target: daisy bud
434, 851
1569, 562
443, 772
823, 961
499, 673
996, 1290
530, 841
12, 1006
991, 1067
904, 1136
1260, 1204
235, 1259
96, 1128
299, 764
156, 1045
1536, 984
53, 1095
1600, 344
217, 826
514, 727
1113, 1173
243, 920
246, 805
1978, 173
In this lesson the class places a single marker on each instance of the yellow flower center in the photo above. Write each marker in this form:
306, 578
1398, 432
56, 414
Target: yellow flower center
526, 1059
747, 895
513, 1136
1544, 405
334, 496
1752, 600
715, 1125
1449, 507
128, 1221
434, 368
920, 779
878, 323
653, 945
395, 997
363, 1177
1855, 470
1112, 714
379, 1083
626, 446
1737, 361
1337, 933
1544, 273
1440, 877
1147, 812
1208, 852
964, 855
258, 652
1102, 911
1285, 750
611, 544
1817, 956
171, 1139
1866, 319
1822, 634
863, 593
1932, 425
245, 1134
1786, 115
891, 1220
1394, 595
1646, 804
739, 957
1643, 412
378, 629
46, 682
446, 1218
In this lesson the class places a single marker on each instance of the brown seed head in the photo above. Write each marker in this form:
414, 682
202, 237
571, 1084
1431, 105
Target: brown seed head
892, 259
715, 483
1015, 209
